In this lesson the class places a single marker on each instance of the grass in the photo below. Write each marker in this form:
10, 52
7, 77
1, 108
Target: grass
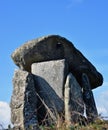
97, 125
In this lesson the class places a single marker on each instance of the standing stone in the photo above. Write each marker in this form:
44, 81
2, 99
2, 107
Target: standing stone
74, 105
23, 101
67, 101
53, 72
50, 77
91, 110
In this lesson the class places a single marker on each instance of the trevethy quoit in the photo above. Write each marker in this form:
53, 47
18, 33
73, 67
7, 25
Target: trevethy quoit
54, 81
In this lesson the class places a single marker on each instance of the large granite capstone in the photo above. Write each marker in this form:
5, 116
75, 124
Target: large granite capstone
54, 47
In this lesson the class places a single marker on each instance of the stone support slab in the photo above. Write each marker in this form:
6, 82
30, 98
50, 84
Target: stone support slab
23, 101
50, 77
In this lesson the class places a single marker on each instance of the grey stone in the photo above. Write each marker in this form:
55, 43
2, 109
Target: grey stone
74, 104
54, 47
53, 72
91, 110
50, 77
23, 101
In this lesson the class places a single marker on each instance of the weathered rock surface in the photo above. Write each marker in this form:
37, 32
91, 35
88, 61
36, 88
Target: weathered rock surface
54, 73
49, 78
54, 47
23, 101
74, 104
91, 110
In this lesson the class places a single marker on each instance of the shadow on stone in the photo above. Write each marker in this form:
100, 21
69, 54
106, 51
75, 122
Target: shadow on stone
49, 103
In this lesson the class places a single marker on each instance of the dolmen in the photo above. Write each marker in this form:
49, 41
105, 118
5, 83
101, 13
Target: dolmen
54, 82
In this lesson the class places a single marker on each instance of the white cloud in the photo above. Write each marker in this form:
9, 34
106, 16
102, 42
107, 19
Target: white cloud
102, 110
4, 114
102, 103
105, 84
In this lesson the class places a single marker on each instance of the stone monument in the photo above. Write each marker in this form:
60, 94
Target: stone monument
52, 82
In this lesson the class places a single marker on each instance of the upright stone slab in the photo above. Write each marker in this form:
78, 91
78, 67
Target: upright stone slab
91, 110
50, 77
74, 104
23, 101
53, 72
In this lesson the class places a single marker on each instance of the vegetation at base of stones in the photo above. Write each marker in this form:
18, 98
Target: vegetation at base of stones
97, 125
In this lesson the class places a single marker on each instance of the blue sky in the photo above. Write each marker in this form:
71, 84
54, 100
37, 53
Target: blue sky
84, 22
